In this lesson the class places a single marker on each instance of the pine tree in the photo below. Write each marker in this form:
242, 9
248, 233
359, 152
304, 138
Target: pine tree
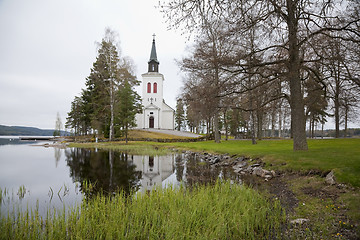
180, 114
129, 105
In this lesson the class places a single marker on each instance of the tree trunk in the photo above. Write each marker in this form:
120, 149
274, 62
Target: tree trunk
126, 134
259, 116
226, 126
337, 106
216, 128
346, 121
296, 97
280, 125
253, 140
111, 132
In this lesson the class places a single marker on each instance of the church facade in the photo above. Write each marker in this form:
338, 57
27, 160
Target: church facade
155, 113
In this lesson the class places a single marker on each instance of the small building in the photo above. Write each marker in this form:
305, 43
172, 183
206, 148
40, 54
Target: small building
156, 113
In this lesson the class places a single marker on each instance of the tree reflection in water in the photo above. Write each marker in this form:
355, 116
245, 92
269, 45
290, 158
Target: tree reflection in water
107, 171
111, 171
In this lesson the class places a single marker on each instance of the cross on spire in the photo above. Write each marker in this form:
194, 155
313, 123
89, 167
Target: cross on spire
154, 36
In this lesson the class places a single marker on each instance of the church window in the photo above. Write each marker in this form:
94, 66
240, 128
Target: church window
155, 87
149, 88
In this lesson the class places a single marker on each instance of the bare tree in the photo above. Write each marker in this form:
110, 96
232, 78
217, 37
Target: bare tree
285, 32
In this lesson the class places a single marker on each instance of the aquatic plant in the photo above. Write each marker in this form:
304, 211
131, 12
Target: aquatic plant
21, 192
222, 211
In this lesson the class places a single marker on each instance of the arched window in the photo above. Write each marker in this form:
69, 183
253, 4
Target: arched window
149, 88
155, 87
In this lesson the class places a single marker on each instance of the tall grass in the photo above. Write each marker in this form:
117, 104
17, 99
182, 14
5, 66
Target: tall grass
222, 211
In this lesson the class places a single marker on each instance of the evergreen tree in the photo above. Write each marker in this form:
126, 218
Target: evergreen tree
129, 105
96, 108
180, 114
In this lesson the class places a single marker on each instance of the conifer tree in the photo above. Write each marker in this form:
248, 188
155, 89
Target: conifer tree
129, 105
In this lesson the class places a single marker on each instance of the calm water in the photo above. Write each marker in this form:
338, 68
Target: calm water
54, 177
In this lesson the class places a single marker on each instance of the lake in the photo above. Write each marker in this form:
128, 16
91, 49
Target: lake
35, 176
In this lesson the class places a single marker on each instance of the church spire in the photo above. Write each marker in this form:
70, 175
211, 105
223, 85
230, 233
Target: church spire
153, 63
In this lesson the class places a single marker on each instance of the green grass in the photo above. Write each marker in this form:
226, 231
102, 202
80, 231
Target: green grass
135, 148
340, 155
222, 211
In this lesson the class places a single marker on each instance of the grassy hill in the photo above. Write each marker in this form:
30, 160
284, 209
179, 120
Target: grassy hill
25, 131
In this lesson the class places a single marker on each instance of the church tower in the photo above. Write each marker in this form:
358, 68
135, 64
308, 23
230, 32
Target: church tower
153, 63
156, 113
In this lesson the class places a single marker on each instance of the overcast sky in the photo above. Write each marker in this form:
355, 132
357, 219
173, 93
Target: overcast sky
47, 48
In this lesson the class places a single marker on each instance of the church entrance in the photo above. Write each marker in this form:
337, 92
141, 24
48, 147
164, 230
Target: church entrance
151, 122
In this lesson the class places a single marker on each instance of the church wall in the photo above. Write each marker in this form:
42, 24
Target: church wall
168, 120
139, 118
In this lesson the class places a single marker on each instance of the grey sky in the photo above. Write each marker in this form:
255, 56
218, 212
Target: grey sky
47, 48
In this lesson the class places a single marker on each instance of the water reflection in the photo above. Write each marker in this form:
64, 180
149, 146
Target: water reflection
54, 177
155, 169
110, 171
107, 171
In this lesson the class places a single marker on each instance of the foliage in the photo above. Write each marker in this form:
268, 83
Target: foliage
180, 114
95, 109
58, 125
223, 211
129, 105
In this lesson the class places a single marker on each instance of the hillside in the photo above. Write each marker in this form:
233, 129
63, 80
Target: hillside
25, 131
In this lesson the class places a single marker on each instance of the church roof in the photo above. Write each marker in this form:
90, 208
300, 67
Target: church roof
153, 56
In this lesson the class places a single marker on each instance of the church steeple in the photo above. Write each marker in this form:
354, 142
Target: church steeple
153, 63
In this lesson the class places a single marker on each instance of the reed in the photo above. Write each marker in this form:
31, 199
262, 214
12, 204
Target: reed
21, 192
222, 211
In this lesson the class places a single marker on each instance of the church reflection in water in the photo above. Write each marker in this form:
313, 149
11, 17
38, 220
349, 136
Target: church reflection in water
110, 171
155, 170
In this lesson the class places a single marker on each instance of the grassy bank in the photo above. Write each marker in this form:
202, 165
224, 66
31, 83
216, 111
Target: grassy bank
340, 155
223, 211
134, 148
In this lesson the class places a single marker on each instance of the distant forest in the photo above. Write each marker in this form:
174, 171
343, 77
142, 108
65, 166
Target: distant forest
26, 131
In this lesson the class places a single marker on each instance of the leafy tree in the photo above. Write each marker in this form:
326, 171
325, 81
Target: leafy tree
58, 125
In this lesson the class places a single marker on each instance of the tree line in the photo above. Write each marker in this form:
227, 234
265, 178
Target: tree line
108, 104
260, 63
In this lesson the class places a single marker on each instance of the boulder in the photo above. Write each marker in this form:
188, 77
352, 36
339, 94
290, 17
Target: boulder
299, 221
330, 178
258, 171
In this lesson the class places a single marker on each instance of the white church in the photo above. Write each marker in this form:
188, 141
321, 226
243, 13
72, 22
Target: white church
156, 113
